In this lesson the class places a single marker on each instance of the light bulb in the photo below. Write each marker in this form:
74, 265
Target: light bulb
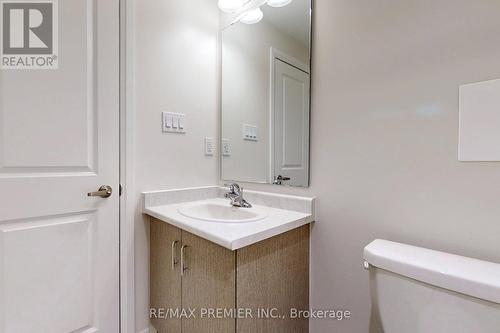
252, 16
278, 3
230, 6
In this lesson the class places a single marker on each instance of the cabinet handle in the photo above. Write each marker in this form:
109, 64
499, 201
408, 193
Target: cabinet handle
183, 264
174, 260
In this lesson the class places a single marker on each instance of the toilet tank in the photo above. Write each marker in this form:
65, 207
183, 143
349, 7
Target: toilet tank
417, 290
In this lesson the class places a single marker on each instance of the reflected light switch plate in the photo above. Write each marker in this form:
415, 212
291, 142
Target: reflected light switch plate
250, 133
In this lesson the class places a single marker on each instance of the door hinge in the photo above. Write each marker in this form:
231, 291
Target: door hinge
120, 190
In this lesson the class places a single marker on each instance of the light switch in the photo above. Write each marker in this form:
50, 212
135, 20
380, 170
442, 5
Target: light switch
168, 120
253, 132
173, 122
209, 146
250, 132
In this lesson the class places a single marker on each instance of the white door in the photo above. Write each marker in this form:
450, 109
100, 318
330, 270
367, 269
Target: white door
59, 139
291, 124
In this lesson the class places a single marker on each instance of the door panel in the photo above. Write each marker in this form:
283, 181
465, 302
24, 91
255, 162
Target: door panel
291, 129
59, 137
208, 282
32, 254
49, 116
165, 286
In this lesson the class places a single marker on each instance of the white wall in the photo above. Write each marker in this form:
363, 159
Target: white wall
245, 94
385, 80
175, 70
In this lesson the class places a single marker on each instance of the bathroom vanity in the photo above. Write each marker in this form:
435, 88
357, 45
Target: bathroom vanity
228, 269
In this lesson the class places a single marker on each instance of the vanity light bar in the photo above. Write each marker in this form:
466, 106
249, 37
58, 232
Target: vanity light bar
230, 6
250, 16
278, 3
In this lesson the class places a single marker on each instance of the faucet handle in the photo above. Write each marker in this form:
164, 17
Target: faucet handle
234, 188
236, 195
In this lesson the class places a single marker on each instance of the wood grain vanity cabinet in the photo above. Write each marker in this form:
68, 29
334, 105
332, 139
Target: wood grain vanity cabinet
271, 274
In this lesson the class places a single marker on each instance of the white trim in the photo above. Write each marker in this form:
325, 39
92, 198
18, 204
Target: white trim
127, 165
274, 53
271, 115
278, 54
220, 128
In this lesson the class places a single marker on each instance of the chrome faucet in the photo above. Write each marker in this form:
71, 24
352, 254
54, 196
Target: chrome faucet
236, 195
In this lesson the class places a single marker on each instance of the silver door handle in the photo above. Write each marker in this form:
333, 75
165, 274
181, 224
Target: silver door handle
174, 260
183, 265
105, 191
280, 179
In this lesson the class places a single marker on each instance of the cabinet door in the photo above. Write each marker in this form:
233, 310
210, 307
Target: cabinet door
274, 274
165, 280
207, 283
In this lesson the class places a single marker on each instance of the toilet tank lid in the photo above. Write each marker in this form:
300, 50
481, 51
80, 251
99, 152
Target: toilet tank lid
464, 275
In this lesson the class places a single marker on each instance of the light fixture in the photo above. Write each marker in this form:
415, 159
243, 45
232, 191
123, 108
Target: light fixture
278, 3
230, 6
252, 16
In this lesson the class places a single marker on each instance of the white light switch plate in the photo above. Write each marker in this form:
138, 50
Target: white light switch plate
250, 133
479, 128
173, 122
226, 147
209, 146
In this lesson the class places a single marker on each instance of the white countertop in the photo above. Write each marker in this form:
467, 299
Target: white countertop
232, 236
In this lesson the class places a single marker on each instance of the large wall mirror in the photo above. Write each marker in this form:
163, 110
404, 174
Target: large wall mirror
266, 94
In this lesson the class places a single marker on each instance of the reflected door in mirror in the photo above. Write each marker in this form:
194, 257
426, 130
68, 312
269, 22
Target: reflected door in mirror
291, 124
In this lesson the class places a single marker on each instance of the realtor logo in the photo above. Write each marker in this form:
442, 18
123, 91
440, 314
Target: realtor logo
29, 34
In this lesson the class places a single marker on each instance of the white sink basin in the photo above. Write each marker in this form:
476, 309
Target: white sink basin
219, 210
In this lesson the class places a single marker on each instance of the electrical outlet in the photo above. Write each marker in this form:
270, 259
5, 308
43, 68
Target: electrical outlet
209, 146
226, 147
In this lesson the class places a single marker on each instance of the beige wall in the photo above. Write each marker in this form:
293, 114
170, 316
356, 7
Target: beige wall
384, 131
384, 139
176, 71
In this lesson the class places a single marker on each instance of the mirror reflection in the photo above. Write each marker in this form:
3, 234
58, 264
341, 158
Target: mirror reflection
266, 94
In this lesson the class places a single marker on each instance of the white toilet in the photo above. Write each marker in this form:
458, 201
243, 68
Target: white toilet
416, 290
